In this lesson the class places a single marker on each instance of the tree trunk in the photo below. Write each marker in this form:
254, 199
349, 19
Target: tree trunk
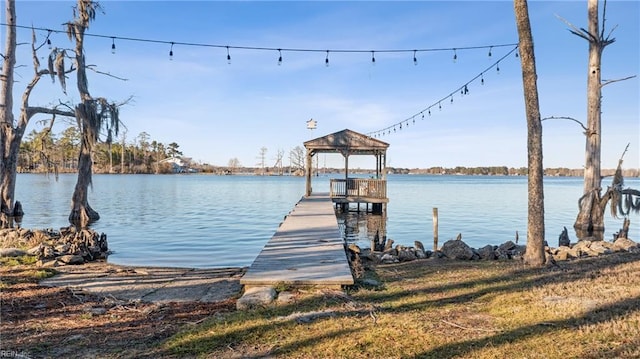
590, 220
7, 134
81, 212
534, 254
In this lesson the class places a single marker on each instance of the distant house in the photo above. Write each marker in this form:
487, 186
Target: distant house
178, 165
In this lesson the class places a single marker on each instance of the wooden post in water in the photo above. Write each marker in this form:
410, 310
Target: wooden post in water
435, 229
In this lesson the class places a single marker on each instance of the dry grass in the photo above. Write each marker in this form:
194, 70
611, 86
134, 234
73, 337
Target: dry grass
588, 308
444, 309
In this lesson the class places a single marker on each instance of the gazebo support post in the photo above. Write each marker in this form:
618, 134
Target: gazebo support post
308, 173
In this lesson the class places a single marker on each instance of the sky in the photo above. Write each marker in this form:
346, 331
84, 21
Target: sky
216, 111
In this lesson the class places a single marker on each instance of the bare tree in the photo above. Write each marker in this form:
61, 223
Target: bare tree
234, 164
592, 204
262, 157
12, 131
297, 157
278, 163
534, 254
92, 114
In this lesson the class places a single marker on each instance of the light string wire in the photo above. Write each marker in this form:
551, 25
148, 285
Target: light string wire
463, 89
265, 48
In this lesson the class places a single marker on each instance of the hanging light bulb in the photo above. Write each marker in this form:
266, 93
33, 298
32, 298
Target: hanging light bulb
373, 58
171, 52
466, 90
451, 99
498, 68
415, 59
482, 79
113, 45
455, 55
326, 60
439, 106
280, 57
228, 56
429, 112
422, 115
49, 40
490, 50
414, 119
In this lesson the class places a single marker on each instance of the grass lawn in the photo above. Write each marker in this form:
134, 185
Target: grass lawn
587, 308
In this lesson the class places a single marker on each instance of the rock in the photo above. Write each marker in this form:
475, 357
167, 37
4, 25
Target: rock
12, 252
48, 264
625, 244
582, 245
502, 254
370, 282
71, 259
97, 310
256, 297
561, 256
507, 246
487, 252
406, 255
518, 251
564, 253
420, 254
62, 248
35, 251
599, 248
457, 249
366, 254
389, 258
286, 298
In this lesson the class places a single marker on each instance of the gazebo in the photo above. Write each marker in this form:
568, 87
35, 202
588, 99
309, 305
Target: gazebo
352, 190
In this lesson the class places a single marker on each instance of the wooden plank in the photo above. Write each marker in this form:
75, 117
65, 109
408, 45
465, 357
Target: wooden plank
307, 249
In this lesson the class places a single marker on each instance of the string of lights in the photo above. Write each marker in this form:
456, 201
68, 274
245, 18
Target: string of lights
279, 50
463, 90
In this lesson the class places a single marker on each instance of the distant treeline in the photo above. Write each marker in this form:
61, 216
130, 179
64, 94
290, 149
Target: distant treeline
44, 151
506, 171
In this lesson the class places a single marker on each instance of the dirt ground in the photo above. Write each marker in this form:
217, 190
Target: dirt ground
44, 322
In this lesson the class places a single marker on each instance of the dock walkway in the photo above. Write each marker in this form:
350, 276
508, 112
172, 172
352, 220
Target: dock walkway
307, 249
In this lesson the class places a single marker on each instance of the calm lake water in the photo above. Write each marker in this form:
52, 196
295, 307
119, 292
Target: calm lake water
224, 221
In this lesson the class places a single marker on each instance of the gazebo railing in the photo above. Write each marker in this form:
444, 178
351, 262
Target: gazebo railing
358, 187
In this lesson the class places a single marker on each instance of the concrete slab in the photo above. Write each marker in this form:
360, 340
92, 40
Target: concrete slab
150, 284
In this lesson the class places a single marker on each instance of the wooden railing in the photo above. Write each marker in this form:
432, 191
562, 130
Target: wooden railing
358, 187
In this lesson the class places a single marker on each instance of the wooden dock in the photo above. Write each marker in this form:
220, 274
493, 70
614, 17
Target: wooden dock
307, 249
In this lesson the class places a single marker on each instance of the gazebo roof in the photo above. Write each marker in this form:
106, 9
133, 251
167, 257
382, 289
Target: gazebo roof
346, 142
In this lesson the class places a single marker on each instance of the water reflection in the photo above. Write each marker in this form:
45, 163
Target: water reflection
365, 229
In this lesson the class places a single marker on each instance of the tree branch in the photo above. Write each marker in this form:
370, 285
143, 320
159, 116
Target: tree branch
604, 19
566, 118
91, 67
575, 30
607, 82
50, 111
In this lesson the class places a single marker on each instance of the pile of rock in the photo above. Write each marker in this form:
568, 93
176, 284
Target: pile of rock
458, 249
589, 248
53, 248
